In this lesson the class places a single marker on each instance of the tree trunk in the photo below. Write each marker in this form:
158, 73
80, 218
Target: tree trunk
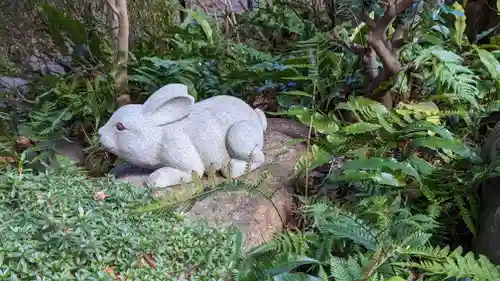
120, 12
481, 16
123, 35
112, 15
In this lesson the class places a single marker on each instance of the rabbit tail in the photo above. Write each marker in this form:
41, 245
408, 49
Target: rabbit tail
262, 118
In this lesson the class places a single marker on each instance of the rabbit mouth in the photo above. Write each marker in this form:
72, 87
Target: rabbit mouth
109, 149
107, 145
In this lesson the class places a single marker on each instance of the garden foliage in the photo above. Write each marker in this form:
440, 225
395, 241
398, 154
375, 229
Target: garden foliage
410, 170
61, 225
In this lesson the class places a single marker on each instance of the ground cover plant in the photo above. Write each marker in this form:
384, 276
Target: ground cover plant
404, 93
64, 226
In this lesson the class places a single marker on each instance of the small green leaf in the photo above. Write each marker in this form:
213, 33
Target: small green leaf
361, 127
446, 56
378, 163
437, 143
387, 179
490, 62
295, 93
238, 244
315, 157
432, 39
441, 29
378, 177
395, 278
427, 126
423, 167
207, 29
337, 139
304, 114
460, 24
324, 124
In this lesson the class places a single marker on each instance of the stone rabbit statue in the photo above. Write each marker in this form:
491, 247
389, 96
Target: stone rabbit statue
175, 136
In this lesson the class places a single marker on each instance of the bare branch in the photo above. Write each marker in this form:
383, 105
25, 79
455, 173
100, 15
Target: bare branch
383, 22
381, 77
385, 49
398, 33
397, 44
112, 6
386, 41
403, 5
391, 11
368, 21
397, 38
370, 61
355, 48
389, 59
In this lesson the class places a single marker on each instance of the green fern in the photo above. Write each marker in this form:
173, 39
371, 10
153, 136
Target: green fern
348, 269
445, 263
251, 55
48, 119
453, 80
465, 214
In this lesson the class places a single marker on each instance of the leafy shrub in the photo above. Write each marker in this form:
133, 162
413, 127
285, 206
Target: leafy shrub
64, 226
424, 149
401, 161
376, 240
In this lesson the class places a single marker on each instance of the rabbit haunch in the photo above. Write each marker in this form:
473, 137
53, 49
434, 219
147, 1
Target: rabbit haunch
176, 136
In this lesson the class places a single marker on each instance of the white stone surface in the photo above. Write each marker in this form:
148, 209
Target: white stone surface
175, 136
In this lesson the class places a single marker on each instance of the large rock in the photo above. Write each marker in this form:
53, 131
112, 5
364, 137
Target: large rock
219, 7
44, 65
9, 84
487, 241
259, 216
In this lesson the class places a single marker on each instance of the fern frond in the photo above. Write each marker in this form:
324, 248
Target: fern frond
251, 55
457, 79
340, 269
345, 225
431, 252
465, 214
295, 243
447, 263
453, 80
480, 269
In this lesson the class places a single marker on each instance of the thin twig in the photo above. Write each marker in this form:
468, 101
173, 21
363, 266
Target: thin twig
112, 6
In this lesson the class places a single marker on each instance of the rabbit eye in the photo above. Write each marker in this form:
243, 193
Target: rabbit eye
120, 127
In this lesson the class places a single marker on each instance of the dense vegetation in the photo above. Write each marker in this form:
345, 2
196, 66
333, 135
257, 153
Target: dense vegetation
63, 226
403, 95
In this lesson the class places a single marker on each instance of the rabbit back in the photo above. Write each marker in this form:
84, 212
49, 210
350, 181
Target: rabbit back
208, 124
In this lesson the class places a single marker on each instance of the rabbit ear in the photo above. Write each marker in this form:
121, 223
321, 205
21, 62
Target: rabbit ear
170, 103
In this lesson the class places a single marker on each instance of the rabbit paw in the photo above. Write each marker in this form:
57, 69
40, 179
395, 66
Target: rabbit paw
236, 168
167, 176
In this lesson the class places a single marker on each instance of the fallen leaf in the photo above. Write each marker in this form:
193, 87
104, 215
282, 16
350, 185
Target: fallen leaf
123, 100
116, 277
7, 159
100, 196
23, 142
150, 260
